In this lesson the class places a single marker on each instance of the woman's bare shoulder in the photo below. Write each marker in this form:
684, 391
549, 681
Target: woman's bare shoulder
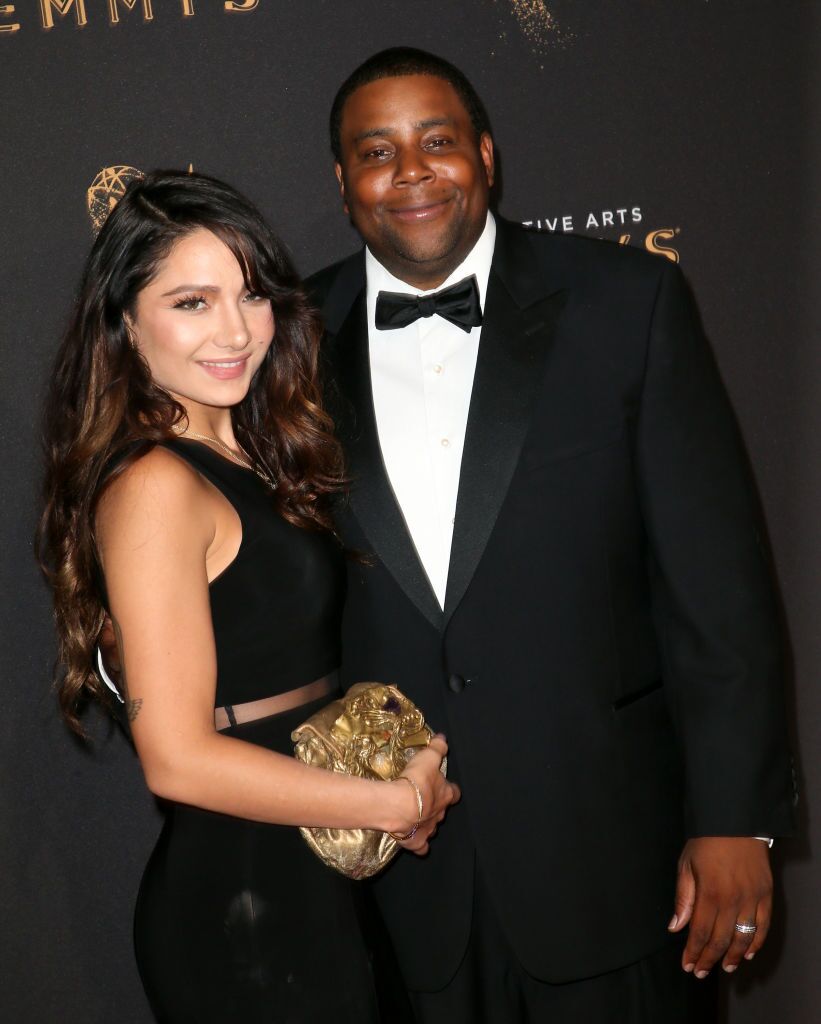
157, 491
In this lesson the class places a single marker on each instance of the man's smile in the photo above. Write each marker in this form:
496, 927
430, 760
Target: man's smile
411, 213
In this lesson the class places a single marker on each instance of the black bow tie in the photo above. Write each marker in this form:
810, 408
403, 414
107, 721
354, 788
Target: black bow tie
458, 304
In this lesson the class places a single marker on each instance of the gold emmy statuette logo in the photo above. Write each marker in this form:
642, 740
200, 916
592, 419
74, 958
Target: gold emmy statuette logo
107, 190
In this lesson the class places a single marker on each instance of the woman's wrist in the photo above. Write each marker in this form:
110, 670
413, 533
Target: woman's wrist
401, 806
417, 792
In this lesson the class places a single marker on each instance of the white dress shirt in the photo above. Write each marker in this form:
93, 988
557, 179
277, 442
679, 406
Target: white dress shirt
422, 378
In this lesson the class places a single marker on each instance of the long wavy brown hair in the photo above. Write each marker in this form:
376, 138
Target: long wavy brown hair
104, 410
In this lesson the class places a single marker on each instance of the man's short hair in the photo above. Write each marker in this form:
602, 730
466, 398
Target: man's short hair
397, 62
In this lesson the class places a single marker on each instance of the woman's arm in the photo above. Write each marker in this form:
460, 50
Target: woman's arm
161, 530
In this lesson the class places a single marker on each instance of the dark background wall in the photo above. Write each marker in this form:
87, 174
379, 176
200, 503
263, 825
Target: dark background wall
697, 114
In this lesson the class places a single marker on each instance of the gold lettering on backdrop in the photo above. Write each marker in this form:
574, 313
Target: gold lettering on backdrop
114, 10
14, 26
48, 7
51, 11
652, 243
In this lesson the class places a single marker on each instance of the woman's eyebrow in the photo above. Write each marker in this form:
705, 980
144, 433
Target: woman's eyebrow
191, 288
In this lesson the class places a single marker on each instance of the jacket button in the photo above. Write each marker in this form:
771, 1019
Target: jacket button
456, 683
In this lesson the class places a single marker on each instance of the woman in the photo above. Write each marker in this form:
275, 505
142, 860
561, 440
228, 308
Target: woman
190, 470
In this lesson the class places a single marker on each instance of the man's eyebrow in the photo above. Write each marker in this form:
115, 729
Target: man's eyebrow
373, 133
431, 122
191, 288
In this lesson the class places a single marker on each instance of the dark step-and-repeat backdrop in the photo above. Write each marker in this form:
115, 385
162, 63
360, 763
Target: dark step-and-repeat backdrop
686, 127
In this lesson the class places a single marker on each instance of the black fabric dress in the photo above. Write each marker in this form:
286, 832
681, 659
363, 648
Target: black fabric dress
238, 921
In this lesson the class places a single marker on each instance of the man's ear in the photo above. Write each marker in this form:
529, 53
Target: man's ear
486, 153
341, 180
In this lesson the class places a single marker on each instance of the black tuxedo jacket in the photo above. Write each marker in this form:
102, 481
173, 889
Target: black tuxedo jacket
606, 667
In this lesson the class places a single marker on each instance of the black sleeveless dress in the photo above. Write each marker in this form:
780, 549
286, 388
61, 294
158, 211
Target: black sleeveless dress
238, 921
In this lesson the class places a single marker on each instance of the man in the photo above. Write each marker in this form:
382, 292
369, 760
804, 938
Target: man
562, 570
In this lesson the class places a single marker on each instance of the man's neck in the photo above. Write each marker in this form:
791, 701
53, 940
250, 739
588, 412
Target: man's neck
425, 278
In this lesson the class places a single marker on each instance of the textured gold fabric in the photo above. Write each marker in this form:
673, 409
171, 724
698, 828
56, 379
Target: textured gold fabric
373, 732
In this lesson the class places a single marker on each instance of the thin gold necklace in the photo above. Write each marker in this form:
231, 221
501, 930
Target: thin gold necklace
221, 444
228, 451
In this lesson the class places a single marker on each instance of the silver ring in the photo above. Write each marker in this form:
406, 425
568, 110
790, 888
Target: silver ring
746, 929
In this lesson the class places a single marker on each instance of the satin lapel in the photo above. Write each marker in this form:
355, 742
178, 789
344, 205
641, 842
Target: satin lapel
509, 369
371, 498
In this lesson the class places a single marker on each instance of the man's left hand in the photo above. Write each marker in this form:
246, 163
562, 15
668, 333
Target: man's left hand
722, 881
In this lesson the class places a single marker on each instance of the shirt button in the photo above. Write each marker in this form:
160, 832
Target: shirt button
438, 368
445, 443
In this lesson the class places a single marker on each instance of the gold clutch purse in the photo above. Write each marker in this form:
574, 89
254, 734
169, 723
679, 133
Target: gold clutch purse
373, 732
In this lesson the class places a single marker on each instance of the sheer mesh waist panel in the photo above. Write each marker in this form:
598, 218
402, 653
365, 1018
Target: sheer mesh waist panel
239, 714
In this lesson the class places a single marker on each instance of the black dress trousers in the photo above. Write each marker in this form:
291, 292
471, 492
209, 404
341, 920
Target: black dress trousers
491, 987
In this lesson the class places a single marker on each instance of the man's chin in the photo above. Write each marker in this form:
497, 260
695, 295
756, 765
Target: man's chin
422, 252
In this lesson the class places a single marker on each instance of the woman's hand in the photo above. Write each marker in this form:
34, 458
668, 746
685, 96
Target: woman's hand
437, 795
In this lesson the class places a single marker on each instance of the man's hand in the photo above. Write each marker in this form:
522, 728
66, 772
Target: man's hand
437, 793
722, 880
